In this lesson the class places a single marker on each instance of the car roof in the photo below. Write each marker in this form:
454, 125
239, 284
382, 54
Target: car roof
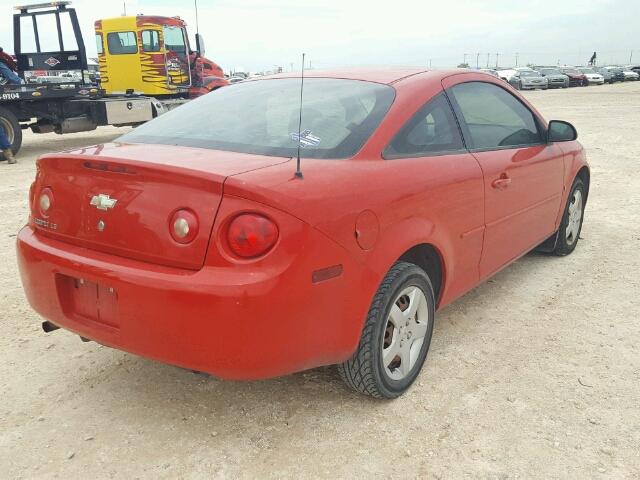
387, 75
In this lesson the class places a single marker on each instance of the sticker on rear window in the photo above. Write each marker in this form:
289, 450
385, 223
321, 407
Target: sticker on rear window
306, 138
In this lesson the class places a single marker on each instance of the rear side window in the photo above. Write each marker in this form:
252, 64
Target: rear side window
431, 131
493, 118
150, 41
121, 43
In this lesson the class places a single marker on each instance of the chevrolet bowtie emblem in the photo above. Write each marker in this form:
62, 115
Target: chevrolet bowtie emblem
103, 202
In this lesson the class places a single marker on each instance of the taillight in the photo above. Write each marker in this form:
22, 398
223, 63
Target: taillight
251, 235
45, 201
183, 226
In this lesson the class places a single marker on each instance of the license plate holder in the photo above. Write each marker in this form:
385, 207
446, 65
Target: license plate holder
88, 300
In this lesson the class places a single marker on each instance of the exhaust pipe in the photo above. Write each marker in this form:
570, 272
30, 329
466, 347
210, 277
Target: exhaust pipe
49, 327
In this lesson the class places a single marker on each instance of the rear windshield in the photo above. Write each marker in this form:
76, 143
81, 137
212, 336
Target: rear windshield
261, 117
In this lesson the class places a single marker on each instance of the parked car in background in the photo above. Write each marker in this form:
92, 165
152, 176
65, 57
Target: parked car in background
236, 79
576, 77
555, 77
616, 72
634, 68
593, 77
607, 75
490, 71
528, 80
506, 74
246, 271
630, 75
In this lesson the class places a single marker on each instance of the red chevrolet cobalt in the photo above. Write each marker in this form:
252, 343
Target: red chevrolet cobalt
192, 241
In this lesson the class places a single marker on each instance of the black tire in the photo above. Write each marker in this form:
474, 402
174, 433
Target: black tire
364, 371
12, 128
564, 245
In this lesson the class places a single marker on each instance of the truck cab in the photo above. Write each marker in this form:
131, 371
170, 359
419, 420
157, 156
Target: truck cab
151, 55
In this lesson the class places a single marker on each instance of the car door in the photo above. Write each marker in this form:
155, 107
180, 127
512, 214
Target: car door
522, 172
446, 188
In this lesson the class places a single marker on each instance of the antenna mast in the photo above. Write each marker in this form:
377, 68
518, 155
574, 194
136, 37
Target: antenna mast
195, 2
298, 171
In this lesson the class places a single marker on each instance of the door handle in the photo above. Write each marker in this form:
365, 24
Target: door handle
501, 183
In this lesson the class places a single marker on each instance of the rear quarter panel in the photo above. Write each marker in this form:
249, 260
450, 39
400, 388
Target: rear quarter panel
433, 200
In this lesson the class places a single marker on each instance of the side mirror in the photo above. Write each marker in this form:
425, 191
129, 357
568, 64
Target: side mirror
560, 131
200, 44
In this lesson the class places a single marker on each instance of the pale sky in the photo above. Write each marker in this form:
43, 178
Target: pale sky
257, 35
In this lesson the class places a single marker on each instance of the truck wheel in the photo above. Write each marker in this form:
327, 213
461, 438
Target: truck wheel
9, 123
396, 335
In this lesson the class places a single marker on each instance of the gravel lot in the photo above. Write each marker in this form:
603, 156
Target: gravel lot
534, 374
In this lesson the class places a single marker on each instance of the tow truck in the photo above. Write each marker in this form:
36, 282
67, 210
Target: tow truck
74, 104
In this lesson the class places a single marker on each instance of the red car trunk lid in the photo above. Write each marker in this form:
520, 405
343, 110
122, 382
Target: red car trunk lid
119, 199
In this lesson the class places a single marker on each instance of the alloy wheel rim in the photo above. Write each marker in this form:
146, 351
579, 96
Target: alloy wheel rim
404, 332
575, 217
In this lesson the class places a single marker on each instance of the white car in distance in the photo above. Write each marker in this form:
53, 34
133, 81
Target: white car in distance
593, 77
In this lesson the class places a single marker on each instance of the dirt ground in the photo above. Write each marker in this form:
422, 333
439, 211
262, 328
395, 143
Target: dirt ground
534, 374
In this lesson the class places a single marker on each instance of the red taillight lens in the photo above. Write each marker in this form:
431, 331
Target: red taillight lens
251, 235
45, 201
183, 226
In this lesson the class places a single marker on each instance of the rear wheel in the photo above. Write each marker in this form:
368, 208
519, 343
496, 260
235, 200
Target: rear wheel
11, 126
396, 335
571, 225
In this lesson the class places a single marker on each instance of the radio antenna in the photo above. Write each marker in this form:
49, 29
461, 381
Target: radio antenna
195, 2
298, 171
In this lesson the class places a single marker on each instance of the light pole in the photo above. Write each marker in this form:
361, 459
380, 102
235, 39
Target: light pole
488, 58
517, 55
497, 58
477, 60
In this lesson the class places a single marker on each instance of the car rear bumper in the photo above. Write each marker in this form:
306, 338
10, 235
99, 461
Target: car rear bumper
230, 324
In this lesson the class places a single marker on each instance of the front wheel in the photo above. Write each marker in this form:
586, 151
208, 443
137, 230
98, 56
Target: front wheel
571, 225
396, 335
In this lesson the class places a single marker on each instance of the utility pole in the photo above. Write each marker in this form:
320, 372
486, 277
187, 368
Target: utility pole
517, 55
464, 61
488, 55
631, 57
477, 60
497, 58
